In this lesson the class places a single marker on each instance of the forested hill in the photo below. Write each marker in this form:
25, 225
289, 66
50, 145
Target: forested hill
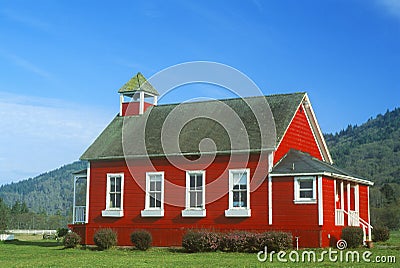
51, 192
372, 150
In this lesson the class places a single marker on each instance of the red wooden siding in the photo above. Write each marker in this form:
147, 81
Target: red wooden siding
302, 219
331, 233
169, 229
132, 108
298, 136
363, 190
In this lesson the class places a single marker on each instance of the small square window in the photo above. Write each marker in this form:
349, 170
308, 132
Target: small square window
305, 190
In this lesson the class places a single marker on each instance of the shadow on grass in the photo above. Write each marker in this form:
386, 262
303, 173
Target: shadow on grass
177, 250
33, 243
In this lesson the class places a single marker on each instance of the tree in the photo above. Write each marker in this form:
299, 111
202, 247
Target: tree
4, 216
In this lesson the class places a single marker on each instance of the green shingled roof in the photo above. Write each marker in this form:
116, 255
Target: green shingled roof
295, 163
138, 82
109, 144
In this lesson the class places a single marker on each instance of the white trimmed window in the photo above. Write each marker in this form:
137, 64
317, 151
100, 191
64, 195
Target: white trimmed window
154, 203
195, 194
239, 193
305, 190
114, 196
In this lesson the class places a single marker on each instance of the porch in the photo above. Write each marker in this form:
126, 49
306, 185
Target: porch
79, 200
350, 196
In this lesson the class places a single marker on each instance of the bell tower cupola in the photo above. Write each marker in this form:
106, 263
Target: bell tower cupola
133, 96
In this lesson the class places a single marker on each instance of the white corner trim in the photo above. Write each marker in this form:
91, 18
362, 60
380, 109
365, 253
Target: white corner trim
152, 213
269, 200
321, 202
87, 193
238, 213
113, 213
195, 213
369, 219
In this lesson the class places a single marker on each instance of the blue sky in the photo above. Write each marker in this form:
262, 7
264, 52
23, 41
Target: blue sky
62, 62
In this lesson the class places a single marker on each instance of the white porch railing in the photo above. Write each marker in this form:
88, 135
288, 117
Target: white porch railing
79, 214
355, 220
339, 217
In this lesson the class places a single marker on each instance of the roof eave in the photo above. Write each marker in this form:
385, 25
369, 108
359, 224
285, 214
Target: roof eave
327, 174
252, 151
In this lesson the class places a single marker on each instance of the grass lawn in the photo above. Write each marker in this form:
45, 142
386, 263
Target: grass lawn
32, 251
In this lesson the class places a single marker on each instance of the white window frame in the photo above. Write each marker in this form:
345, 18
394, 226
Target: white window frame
109, 211
148, 211
303, 200
194, 211
238, 211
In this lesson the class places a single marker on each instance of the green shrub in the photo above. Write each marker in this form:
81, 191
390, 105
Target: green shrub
141, 239
200, 241
61, 232
239, 241
105, 238
380, 233
275, 241
71, 240
353, 236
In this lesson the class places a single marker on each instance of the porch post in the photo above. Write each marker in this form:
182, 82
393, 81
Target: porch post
348, 204
74, 204
342, 195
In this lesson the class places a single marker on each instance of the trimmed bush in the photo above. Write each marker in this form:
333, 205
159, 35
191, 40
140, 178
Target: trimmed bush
380, 233
71, 240
141, 239
353, 236
238, 241
200, 241
105, 238
61, 232
275, 241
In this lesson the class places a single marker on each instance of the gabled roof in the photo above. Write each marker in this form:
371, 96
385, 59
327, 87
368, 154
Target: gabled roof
136, 83
296, 163
109, 144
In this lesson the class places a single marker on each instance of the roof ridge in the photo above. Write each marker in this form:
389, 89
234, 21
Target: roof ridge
231, 99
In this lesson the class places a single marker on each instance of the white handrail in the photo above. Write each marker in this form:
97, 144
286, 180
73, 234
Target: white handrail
364, 225
363, 222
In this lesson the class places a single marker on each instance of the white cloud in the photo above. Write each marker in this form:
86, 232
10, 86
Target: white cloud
25, 19
37, 135
27, 65
391, 6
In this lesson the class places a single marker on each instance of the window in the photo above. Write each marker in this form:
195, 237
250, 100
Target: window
305, 190
239, 193
154, 203
195, 194
114, 196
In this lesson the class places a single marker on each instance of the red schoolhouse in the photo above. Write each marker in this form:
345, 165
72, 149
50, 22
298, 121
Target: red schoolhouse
173, 167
